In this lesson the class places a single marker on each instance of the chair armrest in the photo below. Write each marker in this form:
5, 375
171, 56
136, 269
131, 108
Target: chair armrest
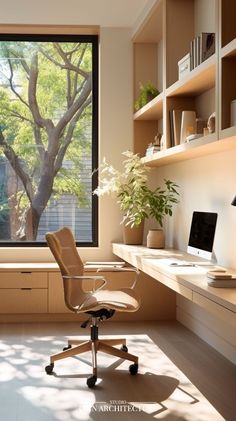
84, 277
116, 269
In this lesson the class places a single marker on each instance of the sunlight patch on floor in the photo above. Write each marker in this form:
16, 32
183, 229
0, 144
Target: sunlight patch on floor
160, 390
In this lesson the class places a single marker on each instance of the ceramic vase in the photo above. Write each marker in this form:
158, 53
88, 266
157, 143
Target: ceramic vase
156, 239
133, 235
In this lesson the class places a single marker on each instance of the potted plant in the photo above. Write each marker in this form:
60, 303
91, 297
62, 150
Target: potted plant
160, 203
129, 187
147, 93
136, 200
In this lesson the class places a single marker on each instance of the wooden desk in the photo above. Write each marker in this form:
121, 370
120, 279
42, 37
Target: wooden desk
190, 282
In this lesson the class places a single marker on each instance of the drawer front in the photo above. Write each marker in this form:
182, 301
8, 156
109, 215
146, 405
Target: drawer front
24, 279
23, 301
216, 309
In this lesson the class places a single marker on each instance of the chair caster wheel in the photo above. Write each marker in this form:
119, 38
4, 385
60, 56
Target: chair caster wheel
91, 381
67, 347
49, 368
133, 369
124, 348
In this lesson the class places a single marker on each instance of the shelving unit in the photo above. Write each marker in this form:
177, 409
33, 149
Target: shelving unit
227, 83
162, 40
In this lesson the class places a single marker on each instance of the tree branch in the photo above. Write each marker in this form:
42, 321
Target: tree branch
18, 115
12, 86
68, 115
33, 77
38, 141
69, 135
68, 64
16, 165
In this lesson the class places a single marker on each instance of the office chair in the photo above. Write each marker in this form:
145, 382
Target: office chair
100, 303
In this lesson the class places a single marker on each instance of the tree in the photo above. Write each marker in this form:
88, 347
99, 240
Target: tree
45, 102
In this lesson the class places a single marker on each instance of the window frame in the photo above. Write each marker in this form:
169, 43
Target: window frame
63, 37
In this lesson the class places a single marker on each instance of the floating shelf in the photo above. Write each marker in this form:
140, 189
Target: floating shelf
194, 149
197, 81
152, 110
229, 50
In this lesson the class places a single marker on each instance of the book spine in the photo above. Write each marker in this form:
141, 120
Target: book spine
171, 129
191, 56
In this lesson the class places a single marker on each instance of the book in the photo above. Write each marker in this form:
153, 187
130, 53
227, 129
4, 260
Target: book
171, 129
177, 116
195, 52
191, 56
152, 149
207, 45
226, 283
219, 274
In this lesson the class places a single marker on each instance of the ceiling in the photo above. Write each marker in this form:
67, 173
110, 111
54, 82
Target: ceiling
117, 13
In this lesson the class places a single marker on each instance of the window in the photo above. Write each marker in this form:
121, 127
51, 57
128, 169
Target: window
48, 137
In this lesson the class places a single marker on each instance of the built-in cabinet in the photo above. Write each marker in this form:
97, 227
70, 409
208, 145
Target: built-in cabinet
23, 292
162, 40
34, 292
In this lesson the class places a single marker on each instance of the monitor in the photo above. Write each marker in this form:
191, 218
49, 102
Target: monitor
202, 233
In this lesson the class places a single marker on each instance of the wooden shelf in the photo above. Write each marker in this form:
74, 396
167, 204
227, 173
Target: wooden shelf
200, 79
150, 31
199, 147
229, 133
163, 38
152, 110
229, 50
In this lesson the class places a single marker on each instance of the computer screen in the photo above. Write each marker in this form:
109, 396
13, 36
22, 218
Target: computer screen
202, 233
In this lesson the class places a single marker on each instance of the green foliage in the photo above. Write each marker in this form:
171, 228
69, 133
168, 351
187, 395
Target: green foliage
54, 83
161, 201
147, 93
4, 208
133, 195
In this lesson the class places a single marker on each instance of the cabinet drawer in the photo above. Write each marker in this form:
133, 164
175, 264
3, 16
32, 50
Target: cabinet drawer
24, 279
23, 301
216, 309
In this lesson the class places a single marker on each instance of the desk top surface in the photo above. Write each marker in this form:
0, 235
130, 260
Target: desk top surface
193, 277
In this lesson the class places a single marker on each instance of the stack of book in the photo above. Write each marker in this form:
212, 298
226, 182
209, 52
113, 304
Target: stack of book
201, 48
151, 149
221, 279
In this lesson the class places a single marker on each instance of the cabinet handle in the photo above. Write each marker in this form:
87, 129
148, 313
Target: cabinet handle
26, 289
26, 272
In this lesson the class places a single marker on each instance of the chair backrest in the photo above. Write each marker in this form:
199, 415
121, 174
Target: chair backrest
63, 247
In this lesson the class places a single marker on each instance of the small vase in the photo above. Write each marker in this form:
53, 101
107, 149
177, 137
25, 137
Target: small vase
133, 235
156, 239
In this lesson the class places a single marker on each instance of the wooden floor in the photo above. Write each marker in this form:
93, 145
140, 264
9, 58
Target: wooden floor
180, 377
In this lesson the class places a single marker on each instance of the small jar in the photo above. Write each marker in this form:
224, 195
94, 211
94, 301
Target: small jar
156, 239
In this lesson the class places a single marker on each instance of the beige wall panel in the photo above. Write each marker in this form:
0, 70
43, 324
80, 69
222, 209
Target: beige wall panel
143, 54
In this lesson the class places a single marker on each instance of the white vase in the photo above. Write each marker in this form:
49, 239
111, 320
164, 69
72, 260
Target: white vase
188, 125
156, 239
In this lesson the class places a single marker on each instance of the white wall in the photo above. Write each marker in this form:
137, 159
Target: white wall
206, 184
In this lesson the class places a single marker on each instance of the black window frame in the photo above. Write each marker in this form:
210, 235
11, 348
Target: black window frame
93, 39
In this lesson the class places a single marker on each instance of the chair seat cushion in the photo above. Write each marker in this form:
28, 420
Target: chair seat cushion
123, 300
